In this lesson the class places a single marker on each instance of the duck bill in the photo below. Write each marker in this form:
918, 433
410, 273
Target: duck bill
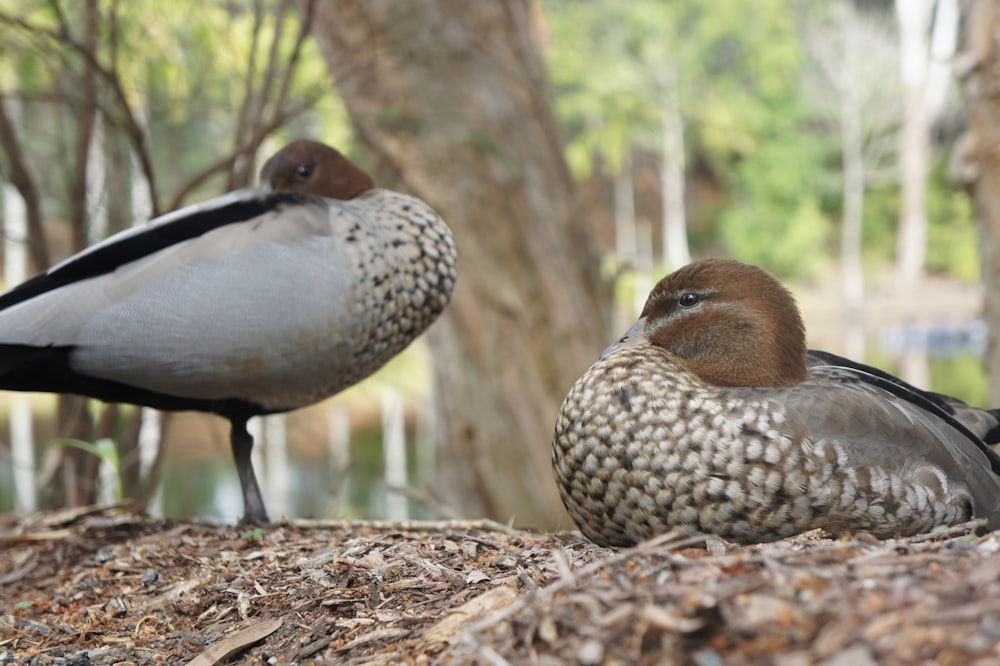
632, 337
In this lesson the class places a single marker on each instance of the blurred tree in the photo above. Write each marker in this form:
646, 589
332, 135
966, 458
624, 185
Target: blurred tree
976, 159
453, 101
952, 247
927, 37
927, 34
623, 73
855, 57
914, 19
716, 83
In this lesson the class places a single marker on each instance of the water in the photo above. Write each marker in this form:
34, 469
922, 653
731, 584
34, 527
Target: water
210, 490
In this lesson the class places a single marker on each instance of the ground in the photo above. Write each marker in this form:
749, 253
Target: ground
103, 585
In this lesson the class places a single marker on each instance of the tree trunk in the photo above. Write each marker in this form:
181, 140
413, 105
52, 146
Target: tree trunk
451, 96
676, 252
22, 440
74, 418
979, 67
626, 242
21, 177
914, 150
852, 145
914, 157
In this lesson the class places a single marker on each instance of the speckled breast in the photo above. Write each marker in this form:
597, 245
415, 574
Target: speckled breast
642, 446
406, 267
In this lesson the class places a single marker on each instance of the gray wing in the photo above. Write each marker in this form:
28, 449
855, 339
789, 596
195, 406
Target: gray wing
983, 423
884, 425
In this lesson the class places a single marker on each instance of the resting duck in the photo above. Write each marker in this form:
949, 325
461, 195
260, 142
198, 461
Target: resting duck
252, 303
709, 415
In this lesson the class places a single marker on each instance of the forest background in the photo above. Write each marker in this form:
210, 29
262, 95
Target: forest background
580, 149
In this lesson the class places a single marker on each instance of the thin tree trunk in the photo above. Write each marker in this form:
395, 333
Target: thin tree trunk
451, 97
852, 141
623, 196
86, 118
74, 418
276, 481
397, 505
979, 67
626, 242
21, 177
911, 246
22, 440
943, 43
676, 252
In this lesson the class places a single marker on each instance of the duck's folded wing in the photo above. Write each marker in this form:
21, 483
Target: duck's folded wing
878, 422
176, 307
984, 423
168, 230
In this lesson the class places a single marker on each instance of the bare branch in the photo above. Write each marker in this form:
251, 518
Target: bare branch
20, 176
113, 35
273, 58
132, 127
86, 114
248, 103
305, 25
276, 72
60, 17
251, 144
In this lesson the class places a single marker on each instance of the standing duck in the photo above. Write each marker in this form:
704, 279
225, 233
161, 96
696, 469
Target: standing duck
252, 303
710, 416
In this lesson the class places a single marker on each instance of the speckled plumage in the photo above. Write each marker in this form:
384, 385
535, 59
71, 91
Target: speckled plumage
404, 256
256, 302
644, 443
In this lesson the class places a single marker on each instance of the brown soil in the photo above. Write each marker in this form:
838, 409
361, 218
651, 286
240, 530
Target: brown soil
106, 586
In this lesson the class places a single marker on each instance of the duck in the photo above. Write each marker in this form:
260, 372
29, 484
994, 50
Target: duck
711, 416
259, 301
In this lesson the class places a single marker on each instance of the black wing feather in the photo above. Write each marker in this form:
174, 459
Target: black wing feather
156, 237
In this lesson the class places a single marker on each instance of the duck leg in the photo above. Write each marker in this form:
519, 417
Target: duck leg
254, 512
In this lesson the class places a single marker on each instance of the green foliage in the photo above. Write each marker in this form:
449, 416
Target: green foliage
881, 217
184, 75
952, 238
778, 221
787, 241
603, 99
737, 67
611, 65
752, 116
962, 376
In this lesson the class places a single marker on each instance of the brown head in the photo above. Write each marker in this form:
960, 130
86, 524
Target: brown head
314, 168
734, 323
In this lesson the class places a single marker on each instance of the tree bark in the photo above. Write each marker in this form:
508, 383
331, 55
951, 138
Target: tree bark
452, 98
978, 65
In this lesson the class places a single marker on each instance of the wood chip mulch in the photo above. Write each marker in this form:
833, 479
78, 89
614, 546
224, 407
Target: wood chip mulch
102, 585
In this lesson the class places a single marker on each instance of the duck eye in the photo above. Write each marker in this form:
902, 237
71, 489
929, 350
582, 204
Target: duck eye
305, 171
688, 300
